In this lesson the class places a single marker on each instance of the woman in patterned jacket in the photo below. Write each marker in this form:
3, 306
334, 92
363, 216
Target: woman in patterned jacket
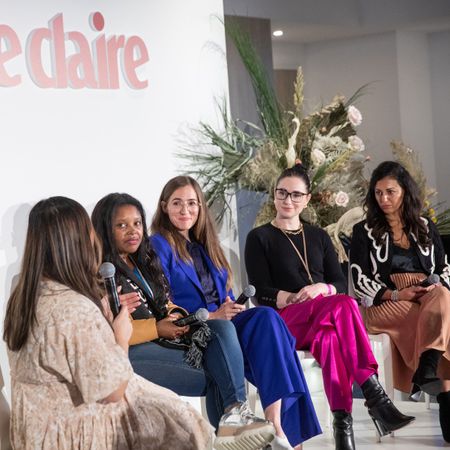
400, 273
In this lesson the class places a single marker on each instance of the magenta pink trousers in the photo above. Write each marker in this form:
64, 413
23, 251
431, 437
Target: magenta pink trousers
332, 329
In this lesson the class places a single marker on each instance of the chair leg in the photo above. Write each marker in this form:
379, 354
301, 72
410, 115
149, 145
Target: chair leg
252, 395
427, 401
203, 407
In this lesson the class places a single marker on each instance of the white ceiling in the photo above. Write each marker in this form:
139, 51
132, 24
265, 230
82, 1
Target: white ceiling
316, 20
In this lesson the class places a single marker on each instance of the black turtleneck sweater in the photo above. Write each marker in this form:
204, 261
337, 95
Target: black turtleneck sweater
273, 265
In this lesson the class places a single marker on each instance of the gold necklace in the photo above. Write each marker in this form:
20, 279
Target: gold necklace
304, 260
402, 241
294, 232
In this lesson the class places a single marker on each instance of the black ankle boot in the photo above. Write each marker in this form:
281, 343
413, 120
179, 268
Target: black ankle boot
384, 414
343, 430
425, 375
444, 414
416, 393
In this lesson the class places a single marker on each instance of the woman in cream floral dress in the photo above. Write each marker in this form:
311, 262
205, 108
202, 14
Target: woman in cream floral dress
72, 384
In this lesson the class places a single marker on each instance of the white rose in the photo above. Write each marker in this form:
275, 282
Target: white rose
317, 157
356, 143
341, 199
354, 116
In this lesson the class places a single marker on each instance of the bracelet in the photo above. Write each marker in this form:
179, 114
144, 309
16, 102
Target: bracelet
330, 289
394, 295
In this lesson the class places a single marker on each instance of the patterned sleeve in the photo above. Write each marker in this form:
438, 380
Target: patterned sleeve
441, 265
363, 265
80, 346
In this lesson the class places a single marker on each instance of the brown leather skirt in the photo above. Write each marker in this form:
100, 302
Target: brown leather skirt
413, 328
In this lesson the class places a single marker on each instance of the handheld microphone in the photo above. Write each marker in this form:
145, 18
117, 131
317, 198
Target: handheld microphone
201, 315
249, 291
431, 279
107, 271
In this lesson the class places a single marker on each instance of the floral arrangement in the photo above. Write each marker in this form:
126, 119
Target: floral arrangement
245, 155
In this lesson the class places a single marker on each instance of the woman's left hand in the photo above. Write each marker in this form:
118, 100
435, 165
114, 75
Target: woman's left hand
309, 292
130, 301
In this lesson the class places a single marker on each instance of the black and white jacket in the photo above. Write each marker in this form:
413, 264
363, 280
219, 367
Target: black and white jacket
370, 263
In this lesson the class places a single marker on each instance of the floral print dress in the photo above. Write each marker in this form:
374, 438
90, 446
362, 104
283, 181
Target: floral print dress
70, 362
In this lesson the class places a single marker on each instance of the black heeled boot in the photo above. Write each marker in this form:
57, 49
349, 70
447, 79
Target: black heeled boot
425, 375
386, 417
416, 393
444, 414
343, 430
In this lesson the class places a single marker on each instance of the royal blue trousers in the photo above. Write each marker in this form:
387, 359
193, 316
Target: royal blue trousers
272, 365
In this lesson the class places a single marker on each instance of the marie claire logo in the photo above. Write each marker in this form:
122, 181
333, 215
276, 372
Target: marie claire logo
87, 65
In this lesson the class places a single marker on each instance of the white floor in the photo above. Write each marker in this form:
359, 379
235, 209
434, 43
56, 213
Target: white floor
423, 434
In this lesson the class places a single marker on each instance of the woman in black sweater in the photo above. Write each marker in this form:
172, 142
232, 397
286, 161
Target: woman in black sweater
295, 270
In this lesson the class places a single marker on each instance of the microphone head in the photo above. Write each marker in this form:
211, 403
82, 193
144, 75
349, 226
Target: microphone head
249, 291
202, 315
366, 301
433, 278
107, 270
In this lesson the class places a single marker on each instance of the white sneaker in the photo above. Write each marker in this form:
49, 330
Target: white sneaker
280, 443
240, 429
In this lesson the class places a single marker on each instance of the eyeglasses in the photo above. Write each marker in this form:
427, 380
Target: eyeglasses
283, 194
178, 205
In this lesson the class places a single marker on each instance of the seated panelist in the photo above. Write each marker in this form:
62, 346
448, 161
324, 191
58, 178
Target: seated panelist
401, 273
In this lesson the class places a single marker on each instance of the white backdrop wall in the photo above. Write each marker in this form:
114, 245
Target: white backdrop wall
85, 143
440, 102
342, 66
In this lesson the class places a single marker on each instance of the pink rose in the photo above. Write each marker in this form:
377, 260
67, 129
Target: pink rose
356, 143
317, 157
341, 199
354, 116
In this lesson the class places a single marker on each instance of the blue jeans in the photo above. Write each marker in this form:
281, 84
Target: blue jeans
222, 376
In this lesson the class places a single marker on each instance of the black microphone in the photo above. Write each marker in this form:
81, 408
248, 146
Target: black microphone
107, 271
201, 315
249, 291
431, 279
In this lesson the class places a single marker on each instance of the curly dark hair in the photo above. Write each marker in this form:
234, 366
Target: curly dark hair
145, 258
411, 206
299, 171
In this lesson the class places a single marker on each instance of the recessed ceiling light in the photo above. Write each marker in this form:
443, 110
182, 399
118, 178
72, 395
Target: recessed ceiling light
278, 33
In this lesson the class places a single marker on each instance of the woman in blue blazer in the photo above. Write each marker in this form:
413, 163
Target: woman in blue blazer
184, 237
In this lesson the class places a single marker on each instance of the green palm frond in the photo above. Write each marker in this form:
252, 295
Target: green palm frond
270, 111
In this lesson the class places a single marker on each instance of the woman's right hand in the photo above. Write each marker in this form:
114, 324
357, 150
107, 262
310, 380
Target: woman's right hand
227, 310
122, 328
412, 293
167, 329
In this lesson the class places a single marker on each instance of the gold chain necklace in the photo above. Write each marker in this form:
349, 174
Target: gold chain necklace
304, 260
294, 232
